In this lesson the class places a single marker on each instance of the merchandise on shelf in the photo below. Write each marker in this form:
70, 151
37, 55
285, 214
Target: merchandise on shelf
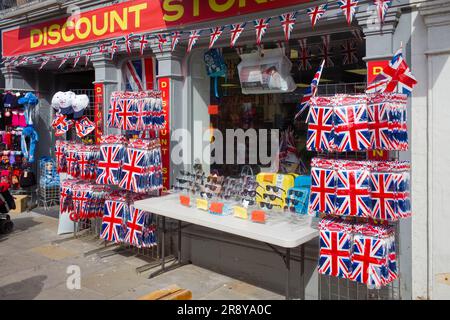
81, 160
365, 189
360, 252
274, 189
112, 152
346, 123
136, 111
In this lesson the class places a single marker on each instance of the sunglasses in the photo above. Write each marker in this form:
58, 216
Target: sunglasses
274, 189
212, 187
183, 181
188, 174
179, 188
297, 194
289, 208
249, 202
293, 202
250, 193
272, 197
214, 179
268, 205
206, 195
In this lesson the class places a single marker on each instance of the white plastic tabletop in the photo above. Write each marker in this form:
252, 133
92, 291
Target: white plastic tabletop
279, 230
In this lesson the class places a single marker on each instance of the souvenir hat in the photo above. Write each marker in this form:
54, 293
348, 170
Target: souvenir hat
29, 99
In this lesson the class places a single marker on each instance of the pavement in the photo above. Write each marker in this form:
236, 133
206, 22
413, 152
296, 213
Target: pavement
37, 264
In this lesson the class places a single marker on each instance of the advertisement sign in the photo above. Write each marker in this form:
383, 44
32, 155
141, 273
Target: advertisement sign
164, 134
374, 68
99, 90
379, 155
136, 16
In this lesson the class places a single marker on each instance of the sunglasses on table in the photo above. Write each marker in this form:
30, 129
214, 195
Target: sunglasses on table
297, 194
290, 208
250, 193
268, 205
184, 181
272, 197
189, 174
293, 202
181, 188
215, 179
206, 195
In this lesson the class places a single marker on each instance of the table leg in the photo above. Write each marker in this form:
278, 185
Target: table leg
302, 272
288, 270
179, 241
163, 248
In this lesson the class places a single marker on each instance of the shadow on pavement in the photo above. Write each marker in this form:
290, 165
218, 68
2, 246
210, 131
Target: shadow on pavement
26, 289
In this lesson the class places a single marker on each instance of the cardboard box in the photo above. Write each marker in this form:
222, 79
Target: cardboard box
21, 204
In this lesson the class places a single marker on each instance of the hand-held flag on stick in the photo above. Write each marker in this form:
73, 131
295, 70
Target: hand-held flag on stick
396, 77
175, 38
382, 8
288, 22
316, 13
236, 31
261, 26
215, 35
311, 91
349, 9
193, 38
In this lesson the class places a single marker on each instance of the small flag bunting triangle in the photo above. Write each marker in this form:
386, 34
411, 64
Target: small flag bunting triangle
215, 35
77, 59
161, 41
288, 22
316, 13
64, 60
114, 49
193, 38
236, 31
349, 9
142, 44
261, 26
382, 8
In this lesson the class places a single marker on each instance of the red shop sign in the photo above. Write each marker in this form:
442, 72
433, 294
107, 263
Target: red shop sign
98, 109
136, 16
164, 135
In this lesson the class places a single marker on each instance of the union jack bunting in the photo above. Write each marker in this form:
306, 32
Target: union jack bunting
77, 59
310, 93
128, 42
316, 13
64, 60
133, 170
161, 41
193, 38
325, 51
382, 8
126, 114
396, 77
215, 35
379, 126
383, 194
23, 60
349, 9
353, 193
368, 260
112, 221
174, 39
87, 56
261, 26
287, 23
320, 136
352, 128
45, 60
108, 169
349, 52
236, 31
135, 224
334, 254
305, 55
323, 191
143, 42
114, 49
102, 48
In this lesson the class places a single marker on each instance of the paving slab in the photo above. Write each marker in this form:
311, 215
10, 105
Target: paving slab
54, 252
62, 293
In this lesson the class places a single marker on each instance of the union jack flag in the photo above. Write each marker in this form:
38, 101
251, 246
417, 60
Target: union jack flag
310, 92
77, 59
352, 128
323, 191
84, 127
396, 77
161, 41
320, 135
135, 224
368, 260
112, 221
353, 193
349, 51
382, 8
325, 51
261, 26
140, 74
215, 35
45, 60
305, 55
142, 44
108, 169
174, 39
383, 194
64, 60
88, 56
128, 42
61, 125
236, 31
288, 22
379, 126
316, 13
334, 255
126, 114
193, 38
133, 170
349, 9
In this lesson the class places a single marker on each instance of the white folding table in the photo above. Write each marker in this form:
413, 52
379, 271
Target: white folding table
279, 231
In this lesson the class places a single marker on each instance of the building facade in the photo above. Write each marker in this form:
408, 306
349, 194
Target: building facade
419, 25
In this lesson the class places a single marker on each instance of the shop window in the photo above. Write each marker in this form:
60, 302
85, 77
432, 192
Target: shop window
139, 74
236, 110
